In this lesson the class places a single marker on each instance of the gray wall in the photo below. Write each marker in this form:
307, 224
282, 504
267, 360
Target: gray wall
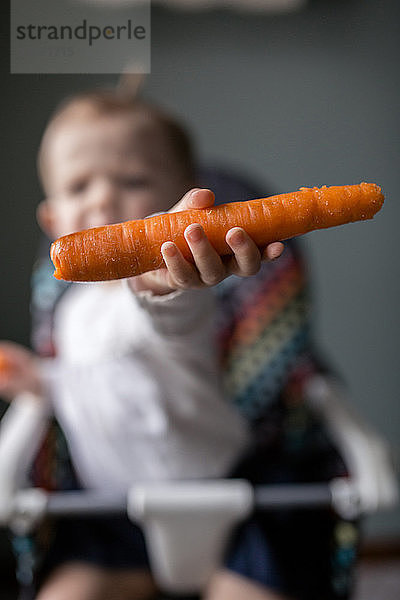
304, 99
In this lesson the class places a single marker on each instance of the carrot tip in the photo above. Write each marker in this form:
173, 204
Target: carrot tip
55, 260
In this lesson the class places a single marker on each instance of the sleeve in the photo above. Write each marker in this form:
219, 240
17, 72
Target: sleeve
181, 313
51, 372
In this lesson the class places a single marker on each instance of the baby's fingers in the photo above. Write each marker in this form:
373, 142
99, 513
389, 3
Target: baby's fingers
246, 260
272, 251
209, 265
180, 273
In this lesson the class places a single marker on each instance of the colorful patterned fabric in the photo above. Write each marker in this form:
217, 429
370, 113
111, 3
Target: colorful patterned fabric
263, 331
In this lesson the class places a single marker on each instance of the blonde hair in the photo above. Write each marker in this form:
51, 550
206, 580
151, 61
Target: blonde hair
108, 102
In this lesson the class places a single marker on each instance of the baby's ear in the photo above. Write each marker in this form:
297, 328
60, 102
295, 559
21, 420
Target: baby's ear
44, 217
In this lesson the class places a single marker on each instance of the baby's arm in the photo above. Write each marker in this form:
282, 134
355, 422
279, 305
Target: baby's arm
208, 268
19, 371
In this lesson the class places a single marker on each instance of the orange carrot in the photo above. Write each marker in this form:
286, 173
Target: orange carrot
6, 365
131, 248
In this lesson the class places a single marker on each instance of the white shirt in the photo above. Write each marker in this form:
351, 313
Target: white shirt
136, 386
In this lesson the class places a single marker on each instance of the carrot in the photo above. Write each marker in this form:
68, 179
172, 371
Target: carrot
6, 365
131, 248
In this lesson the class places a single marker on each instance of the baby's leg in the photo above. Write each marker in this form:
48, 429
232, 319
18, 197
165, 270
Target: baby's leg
82, 581
226, 585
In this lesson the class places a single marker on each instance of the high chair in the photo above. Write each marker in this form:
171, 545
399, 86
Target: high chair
187, 524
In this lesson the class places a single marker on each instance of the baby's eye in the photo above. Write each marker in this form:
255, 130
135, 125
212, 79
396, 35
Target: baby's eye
78, 187
133, 183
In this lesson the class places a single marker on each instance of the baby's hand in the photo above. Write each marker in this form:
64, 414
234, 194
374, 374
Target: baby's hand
18, 371
208, 268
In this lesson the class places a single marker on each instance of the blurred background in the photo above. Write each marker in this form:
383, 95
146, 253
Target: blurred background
287, 98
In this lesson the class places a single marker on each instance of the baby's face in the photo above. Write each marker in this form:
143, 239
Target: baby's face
98, 173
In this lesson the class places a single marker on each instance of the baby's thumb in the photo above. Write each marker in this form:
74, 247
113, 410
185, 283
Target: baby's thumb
195, 198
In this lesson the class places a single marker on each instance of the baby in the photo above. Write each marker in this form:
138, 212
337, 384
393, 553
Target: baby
135, 383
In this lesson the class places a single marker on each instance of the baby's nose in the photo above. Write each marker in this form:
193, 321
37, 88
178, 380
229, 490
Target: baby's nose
103, 199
